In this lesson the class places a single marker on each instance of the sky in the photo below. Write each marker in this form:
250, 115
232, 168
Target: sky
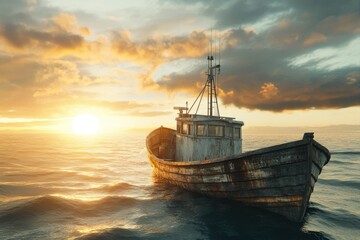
283, 62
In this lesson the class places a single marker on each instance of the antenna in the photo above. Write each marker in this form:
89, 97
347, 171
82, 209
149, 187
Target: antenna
211, 53
219, 48
217, 73
208, 49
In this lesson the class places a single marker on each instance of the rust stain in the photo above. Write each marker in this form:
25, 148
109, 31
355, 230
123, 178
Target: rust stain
295, 200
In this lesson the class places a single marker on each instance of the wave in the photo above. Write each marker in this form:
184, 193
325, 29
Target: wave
205, 227
123, 233
116, 187
26, 190
345, 163
52, 176
51, 188
50, 206
115, 201
337, 182
346, 153
339, 216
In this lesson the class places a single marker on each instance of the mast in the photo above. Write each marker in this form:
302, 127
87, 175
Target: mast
210, 87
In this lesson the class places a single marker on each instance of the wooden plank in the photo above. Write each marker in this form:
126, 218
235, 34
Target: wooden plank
280, 170
228, 185
235, 165
315, 171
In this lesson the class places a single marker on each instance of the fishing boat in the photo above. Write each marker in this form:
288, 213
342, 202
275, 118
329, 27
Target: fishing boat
204, 155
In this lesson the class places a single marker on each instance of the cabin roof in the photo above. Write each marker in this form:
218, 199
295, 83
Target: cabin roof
205, 118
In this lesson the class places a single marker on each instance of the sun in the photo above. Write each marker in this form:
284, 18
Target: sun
85, 124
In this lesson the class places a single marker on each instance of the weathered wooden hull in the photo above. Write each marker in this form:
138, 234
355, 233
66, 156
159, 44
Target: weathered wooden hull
279, 179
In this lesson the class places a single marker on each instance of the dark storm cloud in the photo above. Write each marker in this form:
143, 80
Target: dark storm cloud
256, 69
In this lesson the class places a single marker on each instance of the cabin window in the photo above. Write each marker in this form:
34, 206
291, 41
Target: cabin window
216, 131
178, 127
185, 128
189, 129
237, 133
229, 132
200, 130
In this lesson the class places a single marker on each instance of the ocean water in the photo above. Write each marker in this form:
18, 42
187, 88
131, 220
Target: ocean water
68, 187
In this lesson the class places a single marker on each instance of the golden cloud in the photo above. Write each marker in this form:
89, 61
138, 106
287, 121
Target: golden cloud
33, 87
156, 51
269, 90
58, 75
153, 52
66, 22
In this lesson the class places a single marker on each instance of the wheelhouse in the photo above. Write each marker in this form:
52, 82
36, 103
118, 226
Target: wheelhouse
200, 137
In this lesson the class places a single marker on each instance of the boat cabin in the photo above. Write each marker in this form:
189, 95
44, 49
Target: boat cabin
201, 137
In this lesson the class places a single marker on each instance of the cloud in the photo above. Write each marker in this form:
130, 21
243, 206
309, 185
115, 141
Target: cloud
48, 88
44, 61
352, 78
275, 55
330, 58
20, 36
57, 35
315, 38
268, 90
43, 77
258, 68
155, 51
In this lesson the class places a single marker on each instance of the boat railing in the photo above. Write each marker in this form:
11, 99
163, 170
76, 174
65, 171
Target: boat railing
199, 116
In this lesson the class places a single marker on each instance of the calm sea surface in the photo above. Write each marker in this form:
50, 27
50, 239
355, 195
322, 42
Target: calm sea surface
66, 187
